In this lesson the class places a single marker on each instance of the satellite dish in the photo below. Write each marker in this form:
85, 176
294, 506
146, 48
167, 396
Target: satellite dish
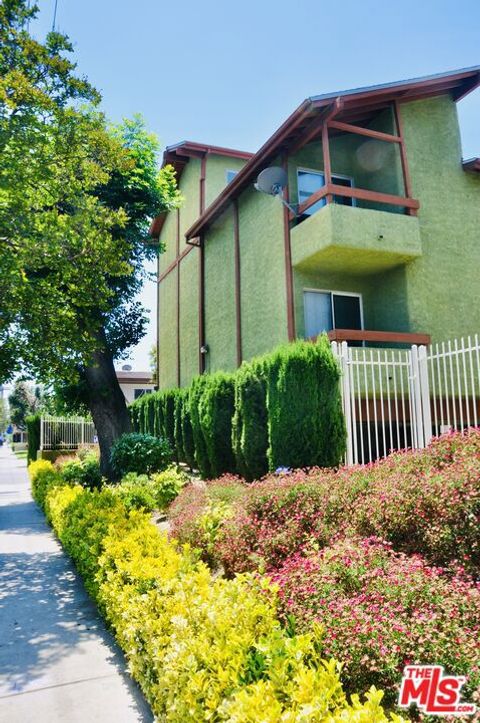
126, 368
272, 180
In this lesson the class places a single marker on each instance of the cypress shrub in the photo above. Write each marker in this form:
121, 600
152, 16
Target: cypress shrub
216, 413
158, 419
133, 410
169, 397
194, 398
149, 412
305, 419
178, 432
33, 430
250, 422
187, 430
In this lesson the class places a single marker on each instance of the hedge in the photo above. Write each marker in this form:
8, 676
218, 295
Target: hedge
281, 410
306, 425
202, 648
250, 423
33, 431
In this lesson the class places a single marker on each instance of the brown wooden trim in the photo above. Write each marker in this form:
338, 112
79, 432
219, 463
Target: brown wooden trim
388, 337
201, 307
403, 155
359, 130
315, 126
361, 193
238, 292
327, 166
174, 263
472, 165
178, 233
288, 262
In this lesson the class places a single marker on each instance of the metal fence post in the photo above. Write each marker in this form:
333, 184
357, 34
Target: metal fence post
425, 394
417, 426
42, 432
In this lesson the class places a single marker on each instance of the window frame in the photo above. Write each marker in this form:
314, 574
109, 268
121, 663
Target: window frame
332, 293
320, 172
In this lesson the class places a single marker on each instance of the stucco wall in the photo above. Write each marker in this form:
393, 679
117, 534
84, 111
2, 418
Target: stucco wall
168, 331
220, 329
443, 286
189, 317
217, 167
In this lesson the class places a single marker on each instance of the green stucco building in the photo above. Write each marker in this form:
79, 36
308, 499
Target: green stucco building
380, 241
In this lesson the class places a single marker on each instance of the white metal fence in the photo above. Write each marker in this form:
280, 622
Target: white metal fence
66, 432
395, 399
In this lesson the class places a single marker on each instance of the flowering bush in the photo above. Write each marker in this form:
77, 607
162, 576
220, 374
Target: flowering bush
202, 648
382, 610
424, 502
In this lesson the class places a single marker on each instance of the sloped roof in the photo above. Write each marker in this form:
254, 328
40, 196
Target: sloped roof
472, 164
357, 105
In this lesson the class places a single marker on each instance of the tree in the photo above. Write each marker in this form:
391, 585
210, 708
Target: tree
23, 401
153, 358
4, 415
76, 197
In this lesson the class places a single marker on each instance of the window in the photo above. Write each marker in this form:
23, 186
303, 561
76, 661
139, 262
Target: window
230, 175
137, 393
327, 310
309, 182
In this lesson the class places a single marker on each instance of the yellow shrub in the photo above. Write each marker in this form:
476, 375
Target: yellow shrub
202, 648
43, 475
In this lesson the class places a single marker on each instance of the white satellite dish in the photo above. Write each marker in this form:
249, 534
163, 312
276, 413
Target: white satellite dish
126, 368
272, 181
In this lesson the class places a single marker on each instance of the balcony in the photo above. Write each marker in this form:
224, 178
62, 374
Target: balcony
354, 240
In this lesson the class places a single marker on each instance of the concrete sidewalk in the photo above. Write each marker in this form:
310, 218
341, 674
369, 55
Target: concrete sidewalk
57, 661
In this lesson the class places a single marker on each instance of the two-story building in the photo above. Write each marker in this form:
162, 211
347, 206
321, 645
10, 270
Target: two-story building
375, 237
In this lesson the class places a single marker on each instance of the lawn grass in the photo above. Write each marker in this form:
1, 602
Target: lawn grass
21, 454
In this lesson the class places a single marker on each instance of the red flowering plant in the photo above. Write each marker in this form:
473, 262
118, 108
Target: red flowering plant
424, 502
381, 610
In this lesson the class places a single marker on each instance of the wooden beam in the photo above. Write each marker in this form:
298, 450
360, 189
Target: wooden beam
403, 156
314, 127
288, 262
174, 263
467, 88
327, 166
360, 193
359, 130
238, 293
387, 337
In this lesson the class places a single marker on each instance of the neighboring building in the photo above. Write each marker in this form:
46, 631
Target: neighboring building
135, 384
385, 244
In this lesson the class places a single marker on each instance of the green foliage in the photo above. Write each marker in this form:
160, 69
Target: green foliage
167, 485
168, 405
306, 425
250, 423
43, 476
188, 442
215, 416
136, 492
33, 430
194, 399
23, 401
84, 472
202, 648
141, 453
177, 426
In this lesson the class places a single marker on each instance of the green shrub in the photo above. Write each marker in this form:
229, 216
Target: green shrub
306, 425
136, 492
141, 453
167, 484
33, 431
43, 476
194, 398
250, 423
187, 430
134, 412
85, 472
168, 404
216, 413
177, 431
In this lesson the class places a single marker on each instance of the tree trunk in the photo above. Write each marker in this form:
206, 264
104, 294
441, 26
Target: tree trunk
107, 406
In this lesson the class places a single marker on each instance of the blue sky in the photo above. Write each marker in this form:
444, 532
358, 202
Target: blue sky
229, 73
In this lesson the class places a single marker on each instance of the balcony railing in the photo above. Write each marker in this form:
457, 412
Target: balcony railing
381, 337
331, 189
